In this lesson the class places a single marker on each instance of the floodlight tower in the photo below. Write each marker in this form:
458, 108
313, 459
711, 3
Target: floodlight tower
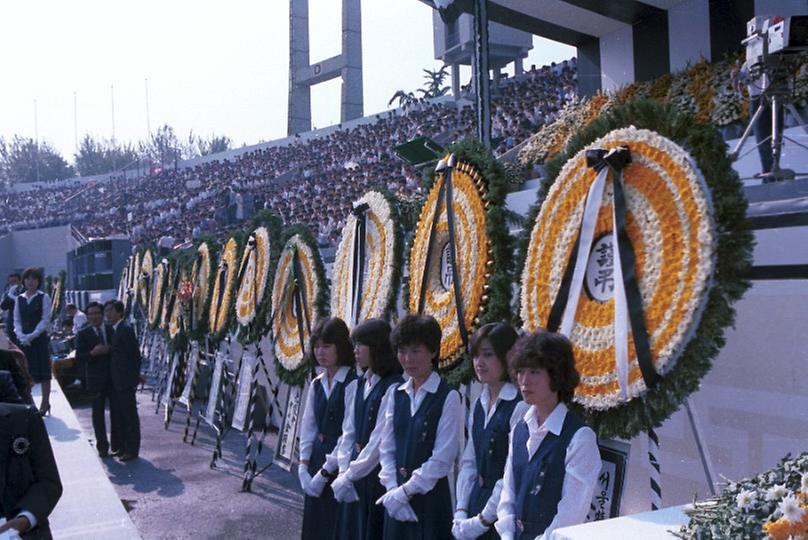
303, 75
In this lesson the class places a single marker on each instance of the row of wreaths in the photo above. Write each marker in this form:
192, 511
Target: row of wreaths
635, 249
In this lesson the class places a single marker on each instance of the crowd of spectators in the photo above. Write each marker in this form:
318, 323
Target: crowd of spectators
311, 181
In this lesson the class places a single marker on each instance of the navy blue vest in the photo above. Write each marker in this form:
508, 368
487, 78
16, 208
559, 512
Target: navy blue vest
490, 450
30, 312
329, 413
415, 435
538, 481
366, 410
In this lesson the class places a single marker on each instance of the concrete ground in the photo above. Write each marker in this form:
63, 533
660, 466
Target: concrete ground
171, 492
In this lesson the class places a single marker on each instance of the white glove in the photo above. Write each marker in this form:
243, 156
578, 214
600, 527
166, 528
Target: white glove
317, 484
398, 505
304, 477
460, 514
468, 529
344, 490
25, 340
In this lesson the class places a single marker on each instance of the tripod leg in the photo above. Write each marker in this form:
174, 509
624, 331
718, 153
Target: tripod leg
777, 133
746, 132
798, 117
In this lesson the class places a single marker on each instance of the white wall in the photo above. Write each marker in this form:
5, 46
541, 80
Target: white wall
617, 58
44, 248
781, 7
689, 31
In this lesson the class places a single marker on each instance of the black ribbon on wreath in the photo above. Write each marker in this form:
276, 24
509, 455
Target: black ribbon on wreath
359, 249
616, 159
445, 168
299, 296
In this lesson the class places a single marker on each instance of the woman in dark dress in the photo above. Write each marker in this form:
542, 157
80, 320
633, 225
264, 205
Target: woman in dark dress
419, 438
321, 427
493, 414
29, 480
31, 321
358, 486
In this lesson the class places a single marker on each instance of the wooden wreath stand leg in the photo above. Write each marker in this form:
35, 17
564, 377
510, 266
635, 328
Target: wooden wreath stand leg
211, 359
704, 456
194, 376
256, 445
224, 408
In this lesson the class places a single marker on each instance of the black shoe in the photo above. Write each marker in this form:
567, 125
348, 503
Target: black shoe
127, 456
44, 412
116, 453
103, 453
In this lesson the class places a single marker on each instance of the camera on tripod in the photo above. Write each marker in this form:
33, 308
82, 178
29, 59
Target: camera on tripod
771, 45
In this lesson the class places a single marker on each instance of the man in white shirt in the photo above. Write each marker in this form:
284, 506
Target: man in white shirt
78, 316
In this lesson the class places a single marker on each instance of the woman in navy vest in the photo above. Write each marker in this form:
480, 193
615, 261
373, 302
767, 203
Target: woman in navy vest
358, 485
553, 460
419, 440
495, 412
321, 428
32, 312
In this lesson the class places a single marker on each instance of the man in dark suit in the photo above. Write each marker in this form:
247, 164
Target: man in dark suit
29, 480
93, 354
125, 376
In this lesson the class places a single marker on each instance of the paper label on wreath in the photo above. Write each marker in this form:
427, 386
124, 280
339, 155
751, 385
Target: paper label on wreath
175, 360
190, 372
287, 439
215, 385
243, 395
446, 277
599, 280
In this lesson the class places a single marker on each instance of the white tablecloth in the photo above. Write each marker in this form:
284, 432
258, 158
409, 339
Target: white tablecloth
647, 525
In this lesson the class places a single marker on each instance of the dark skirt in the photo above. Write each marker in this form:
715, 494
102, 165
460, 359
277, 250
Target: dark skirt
363, 519
320, 516
37, 356
477, 500
434, 511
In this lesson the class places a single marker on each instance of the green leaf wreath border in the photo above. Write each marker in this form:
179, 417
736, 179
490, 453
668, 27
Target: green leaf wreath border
733, 257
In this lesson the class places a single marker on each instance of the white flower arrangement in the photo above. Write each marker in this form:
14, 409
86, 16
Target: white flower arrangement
380, 261
669, 204
254, 269
288, 344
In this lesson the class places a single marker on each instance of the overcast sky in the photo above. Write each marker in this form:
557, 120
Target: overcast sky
212, 67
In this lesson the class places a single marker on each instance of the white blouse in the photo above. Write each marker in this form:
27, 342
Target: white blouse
308, 428
439, 464
467, 476
582, 466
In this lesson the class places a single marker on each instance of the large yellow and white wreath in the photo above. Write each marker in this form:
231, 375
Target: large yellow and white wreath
669, 221
474, 258
222, 295
379, 286
254, 271
291, 333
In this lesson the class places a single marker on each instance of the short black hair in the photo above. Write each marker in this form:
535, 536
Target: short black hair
418, 329
34, 273
553, 353
502, 337
375, 333
16, 275
71, 306
334, 331
117, 305
93, 305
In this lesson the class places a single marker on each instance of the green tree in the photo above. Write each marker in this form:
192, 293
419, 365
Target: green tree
213, 145
23, 160
103, 156
162, 147
434, 85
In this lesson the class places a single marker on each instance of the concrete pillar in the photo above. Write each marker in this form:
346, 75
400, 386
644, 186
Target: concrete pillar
299, 114
518, 67
352, 91
456, 81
